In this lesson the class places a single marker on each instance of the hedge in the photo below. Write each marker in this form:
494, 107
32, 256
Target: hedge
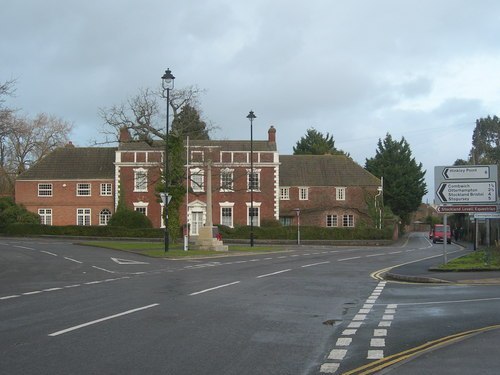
240, 232
79, 230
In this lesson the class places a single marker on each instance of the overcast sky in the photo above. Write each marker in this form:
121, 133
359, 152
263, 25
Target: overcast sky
356, 69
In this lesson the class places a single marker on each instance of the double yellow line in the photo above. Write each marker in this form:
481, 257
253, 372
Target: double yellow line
380, 364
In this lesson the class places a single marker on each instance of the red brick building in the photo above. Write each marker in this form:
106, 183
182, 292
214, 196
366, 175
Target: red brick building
70, 186
82, 185
327, 190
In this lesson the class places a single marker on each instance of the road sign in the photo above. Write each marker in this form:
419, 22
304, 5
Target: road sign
468, 192
490, 215
467, 184
466, 209
475, 172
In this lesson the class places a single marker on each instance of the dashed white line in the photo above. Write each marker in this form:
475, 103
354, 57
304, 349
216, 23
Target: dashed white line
344, 259
73, 260
49, 253
214, 288
314, 264
273, 273
101, 320
9, 297
31, 293
103, 269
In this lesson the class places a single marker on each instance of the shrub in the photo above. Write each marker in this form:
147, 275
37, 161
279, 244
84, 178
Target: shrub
129, 219
11, 213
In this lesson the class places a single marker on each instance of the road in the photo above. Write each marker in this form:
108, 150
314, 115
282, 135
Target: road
70, 309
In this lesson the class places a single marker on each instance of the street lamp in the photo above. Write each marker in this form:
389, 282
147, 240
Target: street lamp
167, 83
251, 116
297, 211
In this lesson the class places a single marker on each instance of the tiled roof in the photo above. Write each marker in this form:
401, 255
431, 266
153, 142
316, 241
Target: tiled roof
74, 163
323, 170
224, 145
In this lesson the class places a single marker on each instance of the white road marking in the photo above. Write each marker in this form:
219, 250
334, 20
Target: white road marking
103, 269
273, 273
9, 297
379, 332
314, 264
72, 286
127, 261
337, 354
329, 368
396, 252
214, 288
374, 255
375, 354
343, 341
48, 252
387, 317
344, 259
349, 332
101, 320
354, 324
377, 343
73, 260
359, 317
51, 289
384, 323
24, 247
31, 293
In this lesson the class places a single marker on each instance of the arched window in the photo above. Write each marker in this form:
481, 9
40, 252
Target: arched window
104, 216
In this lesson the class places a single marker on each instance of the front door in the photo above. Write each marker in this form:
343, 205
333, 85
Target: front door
196, 222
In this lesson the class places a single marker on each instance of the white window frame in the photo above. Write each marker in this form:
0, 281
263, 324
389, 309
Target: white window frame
140, 180
332, 221
141, 207
45, 216
227, 206
197, 180
83, 189
256, 206
45, 190
286, 221
256, 184
284, 193
104, 216
340, 193
349, 220
227, 180
106, 189
83, 216
303, 193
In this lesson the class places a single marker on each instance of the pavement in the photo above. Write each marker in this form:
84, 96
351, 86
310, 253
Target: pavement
472, 352
420, 272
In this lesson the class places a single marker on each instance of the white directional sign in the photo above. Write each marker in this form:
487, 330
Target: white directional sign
467, 192
466, 185
474, 172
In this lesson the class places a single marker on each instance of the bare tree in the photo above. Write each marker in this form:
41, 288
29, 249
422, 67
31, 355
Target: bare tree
29, 140
143, 114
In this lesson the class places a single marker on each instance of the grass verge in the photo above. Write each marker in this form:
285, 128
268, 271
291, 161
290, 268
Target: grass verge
157, 249
480, 260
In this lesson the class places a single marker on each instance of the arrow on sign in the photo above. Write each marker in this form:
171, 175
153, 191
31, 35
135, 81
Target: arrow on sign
441, 193
466, 173
467, 192
126, 261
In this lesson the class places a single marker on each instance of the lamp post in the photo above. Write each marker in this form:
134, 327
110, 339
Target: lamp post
297, 211
251, 116
167, 83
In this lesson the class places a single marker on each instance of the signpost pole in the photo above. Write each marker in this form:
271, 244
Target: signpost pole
445, 237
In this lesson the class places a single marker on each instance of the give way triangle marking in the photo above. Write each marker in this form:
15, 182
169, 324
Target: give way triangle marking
127, 261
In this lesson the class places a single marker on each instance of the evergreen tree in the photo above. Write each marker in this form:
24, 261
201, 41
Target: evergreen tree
315, 143
404, 184
486, 141
188, 122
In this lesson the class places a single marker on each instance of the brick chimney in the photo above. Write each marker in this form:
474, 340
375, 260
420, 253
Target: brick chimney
271, 134
124, 135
